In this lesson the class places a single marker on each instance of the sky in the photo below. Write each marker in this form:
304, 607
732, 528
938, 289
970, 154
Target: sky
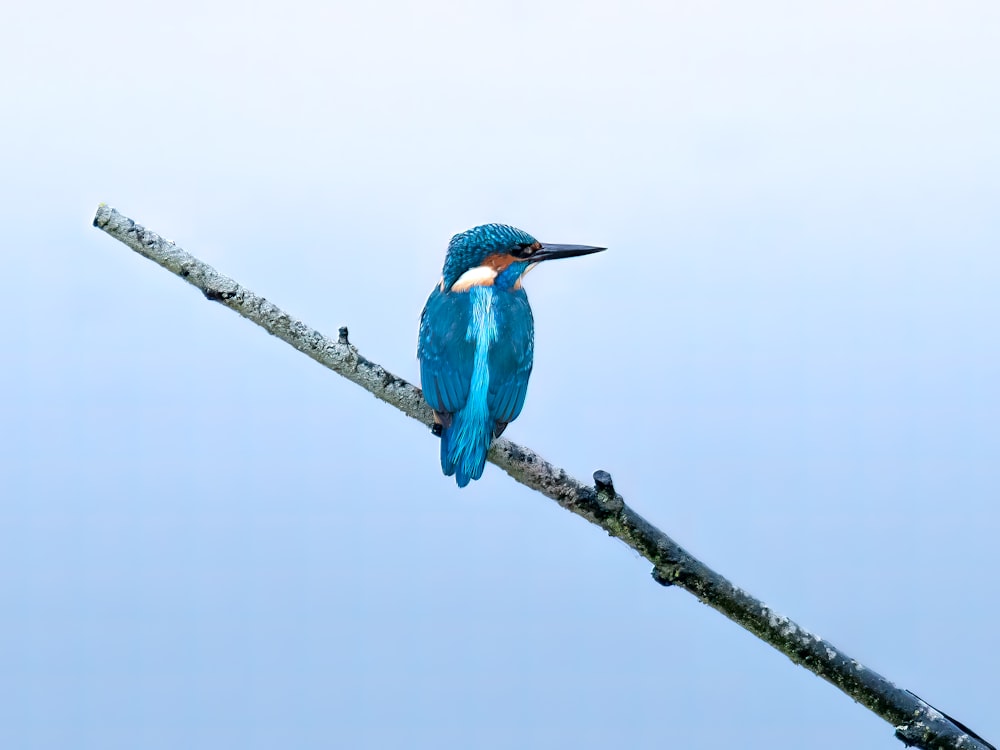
788, 359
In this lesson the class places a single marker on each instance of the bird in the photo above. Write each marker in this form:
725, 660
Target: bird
476, 340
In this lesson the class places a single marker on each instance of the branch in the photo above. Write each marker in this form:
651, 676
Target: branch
915, 721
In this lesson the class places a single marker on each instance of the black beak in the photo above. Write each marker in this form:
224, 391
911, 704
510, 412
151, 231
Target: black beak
550, 251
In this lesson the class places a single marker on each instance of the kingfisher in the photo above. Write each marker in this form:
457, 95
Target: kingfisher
477, 338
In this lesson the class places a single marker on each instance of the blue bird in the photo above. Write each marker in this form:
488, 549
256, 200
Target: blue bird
477, 338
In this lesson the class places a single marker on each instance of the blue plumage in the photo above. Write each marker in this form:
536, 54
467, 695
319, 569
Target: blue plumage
476, 340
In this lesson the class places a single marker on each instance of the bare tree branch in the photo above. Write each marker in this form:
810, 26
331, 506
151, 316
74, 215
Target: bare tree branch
916, 722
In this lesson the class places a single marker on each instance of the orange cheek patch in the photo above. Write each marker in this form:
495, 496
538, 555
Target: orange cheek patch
499, 262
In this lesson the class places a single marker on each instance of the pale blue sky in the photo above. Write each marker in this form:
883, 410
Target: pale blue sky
789, 359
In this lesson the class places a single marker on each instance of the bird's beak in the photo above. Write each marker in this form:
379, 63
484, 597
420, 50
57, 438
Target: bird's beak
550, 251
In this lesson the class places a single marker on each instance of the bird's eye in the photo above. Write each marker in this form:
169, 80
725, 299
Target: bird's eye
526, 249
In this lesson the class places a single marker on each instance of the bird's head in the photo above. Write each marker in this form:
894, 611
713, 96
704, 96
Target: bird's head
498, 254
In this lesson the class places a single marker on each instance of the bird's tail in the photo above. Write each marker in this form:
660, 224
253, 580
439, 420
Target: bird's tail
465, 443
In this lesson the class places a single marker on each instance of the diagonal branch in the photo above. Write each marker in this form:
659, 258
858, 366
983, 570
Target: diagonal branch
915, 721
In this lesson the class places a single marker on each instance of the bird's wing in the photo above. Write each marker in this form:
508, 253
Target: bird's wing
510, 357
445, 355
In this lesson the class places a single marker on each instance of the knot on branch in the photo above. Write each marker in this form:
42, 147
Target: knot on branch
609, 500
351, 357
220, 295
662, 577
